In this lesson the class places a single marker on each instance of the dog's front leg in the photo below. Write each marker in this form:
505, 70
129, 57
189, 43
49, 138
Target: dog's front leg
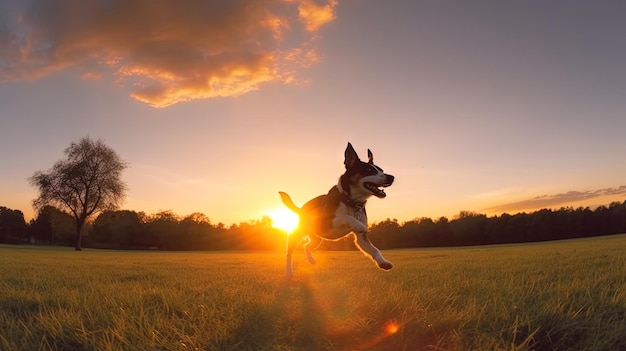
362, 241
366, 246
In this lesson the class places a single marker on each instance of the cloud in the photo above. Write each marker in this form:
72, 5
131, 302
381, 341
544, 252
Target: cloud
315, 15
551, 201
164, 51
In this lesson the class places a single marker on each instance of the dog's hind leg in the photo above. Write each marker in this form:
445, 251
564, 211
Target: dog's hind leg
293, 241
312, 243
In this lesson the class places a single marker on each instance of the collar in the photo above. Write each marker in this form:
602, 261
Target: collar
350, 202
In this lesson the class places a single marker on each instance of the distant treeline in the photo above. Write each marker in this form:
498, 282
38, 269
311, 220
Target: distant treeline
167, 231
136, 231
470, 228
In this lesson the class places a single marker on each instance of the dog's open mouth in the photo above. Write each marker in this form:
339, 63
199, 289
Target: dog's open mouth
376, 189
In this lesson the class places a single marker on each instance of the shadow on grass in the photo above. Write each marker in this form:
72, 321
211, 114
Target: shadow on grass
301, 318
293, 321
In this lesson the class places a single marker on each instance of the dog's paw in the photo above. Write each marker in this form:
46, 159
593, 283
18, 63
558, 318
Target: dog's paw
385, 265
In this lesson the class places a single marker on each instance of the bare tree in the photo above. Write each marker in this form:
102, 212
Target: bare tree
86, 182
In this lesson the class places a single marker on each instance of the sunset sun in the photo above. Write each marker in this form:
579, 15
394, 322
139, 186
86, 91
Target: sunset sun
284, 219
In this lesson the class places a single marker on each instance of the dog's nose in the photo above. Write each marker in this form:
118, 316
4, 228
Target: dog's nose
390, 178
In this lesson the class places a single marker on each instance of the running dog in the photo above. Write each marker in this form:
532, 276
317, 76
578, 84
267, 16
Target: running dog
341, 211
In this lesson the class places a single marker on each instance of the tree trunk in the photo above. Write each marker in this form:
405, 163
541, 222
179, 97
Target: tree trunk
79, 226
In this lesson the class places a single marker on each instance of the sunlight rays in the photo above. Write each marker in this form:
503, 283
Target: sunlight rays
284, 219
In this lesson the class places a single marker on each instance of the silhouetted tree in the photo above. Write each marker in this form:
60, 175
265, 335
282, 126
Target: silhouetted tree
617, 214
119, 229
12, 225
162, 230
86, 182
469, 228
52, 226
382, 234
198, 232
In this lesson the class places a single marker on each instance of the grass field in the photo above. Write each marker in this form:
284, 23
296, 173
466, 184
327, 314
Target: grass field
568, 295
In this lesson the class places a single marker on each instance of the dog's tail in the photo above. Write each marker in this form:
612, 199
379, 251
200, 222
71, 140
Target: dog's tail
289, 203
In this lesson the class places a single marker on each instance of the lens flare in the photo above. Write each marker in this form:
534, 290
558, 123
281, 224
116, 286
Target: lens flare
284, 219
391, 328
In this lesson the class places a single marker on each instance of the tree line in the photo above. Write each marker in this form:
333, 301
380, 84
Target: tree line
470, 228
124, 229
165, 230
87, 183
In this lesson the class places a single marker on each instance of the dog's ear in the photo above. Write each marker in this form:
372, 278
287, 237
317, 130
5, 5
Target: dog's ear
351, 158
370, 157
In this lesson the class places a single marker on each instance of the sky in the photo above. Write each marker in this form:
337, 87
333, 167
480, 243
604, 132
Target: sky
486, 106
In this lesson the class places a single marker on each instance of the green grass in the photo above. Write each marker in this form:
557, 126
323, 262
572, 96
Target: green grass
568, 295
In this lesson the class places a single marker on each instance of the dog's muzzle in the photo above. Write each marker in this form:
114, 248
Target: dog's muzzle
376, 188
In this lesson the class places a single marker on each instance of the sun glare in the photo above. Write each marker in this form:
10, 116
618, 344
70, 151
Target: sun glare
391, 328
284, 219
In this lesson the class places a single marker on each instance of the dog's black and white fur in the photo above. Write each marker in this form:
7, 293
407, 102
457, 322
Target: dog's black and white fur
341, 211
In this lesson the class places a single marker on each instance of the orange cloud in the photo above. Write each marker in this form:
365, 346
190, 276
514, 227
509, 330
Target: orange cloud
314, 15
164, 51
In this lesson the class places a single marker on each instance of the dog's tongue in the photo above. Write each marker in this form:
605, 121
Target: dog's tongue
376, 191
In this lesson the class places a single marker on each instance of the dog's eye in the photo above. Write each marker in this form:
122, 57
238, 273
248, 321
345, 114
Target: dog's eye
370, 171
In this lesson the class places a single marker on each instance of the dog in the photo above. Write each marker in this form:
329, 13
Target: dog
341, 211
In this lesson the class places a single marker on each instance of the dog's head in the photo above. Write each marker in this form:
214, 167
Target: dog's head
363, 179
